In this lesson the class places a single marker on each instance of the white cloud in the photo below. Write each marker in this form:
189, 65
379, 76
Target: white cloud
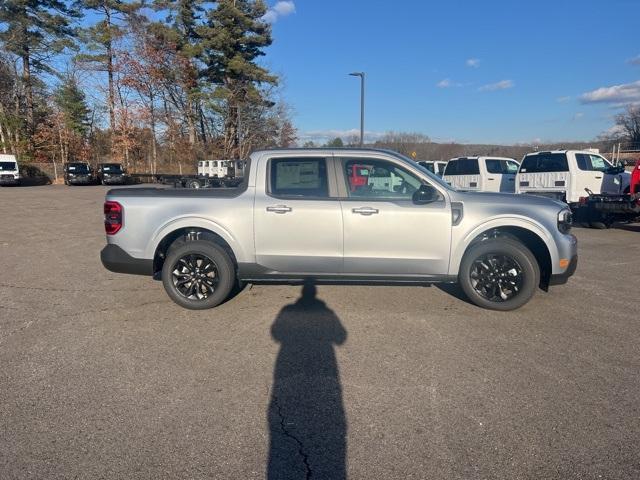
563, 99
501, 85
616, 94
634, 61
446, 83
578, 116
472, 62
280, 9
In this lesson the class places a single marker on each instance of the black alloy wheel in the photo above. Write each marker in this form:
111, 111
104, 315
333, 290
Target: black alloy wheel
496, 277
195, 276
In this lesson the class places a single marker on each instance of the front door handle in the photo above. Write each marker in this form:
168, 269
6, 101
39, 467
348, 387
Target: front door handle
279, 209
490, 178
599, 177
365, 211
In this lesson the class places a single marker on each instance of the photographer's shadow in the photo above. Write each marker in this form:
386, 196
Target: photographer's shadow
307, 424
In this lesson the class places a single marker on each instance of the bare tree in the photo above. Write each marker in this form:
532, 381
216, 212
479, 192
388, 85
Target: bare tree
629, 123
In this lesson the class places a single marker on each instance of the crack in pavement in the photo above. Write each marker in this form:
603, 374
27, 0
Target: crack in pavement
305, 457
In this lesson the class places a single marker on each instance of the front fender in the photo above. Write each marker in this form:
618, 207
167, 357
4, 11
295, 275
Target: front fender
463, 239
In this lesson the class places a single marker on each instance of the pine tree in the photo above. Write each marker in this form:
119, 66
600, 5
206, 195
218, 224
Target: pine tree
181, 28
72, 103
100, 37
233, 39
34, 30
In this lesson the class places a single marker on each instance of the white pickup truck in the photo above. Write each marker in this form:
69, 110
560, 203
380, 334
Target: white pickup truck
482, 174
569, 175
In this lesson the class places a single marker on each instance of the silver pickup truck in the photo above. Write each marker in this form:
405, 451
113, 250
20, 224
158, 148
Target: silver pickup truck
339, 216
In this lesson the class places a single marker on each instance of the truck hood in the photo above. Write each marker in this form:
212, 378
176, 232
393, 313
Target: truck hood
491, 198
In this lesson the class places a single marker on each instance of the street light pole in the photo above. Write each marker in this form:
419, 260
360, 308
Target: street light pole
361, 75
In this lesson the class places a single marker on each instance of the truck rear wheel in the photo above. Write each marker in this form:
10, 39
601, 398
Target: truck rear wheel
499, 274
193, 184
198, 275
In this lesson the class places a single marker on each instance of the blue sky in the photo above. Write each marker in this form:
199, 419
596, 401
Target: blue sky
486, 71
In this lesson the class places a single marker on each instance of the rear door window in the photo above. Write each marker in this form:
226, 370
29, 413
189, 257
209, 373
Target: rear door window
500, 166
545, 162
464, 166
299, 177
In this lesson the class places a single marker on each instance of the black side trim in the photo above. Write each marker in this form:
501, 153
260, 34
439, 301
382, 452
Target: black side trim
562, 278
117, 260
253, 273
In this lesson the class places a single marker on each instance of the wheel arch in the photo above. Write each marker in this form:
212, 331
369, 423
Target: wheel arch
184, 235
530, 235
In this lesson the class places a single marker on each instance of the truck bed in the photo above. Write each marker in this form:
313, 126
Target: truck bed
220, 192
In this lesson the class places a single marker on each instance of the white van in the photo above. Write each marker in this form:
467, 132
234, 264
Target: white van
436, 166
484, 174
9, 172
568, 175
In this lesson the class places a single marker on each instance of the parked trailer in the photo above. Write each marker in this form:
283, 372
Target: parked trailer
211, 174
603, 210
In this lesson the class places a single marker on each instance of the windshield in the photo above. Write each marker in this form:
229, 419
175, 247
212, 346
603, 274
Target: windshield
78, 168
4, 166
115, 168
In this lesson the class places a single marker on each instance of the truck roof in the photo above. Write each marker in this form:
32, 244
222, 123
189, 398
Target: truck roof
563, 151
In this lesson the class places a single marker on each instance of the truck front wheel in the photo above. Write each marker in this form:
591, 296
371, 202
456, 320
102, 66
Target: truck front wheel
198, 275
499, 274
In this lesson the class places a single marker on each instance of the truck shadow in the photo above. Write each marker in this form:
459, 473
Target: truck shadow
307, 423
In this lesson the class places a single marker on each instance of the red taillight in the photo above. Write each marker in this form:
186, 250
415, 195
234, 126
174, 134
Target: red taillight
112, 217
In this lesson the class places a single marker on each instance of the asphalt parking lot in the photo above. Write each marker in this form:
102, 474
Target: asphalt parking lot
102, 376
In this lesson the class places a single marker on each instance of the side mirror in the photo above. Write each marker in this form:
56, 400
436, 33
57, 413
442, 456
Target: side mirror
425, 194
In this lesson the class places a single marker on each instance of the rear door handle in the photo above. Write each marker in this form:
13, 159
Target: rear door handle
599, 177
365, 211
490, 178
279, 209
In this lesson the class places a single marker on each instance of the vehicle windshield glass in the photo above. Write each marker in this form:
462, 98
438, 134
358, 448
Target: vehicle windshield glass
115, 168
499, 166
8, 166
78, 168
544, 162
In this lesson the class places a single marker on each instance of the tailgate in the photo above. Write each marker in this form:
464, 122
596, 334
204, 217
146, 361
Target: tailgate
463, 182
546, 182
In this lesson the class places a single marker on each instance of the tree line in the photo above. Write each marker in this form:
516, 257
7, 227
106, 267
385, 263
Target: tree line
157, 84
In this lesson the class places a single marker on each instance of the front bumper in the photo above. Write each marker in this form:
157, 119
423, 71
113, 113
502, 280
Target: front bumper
80, 180
9, 180
114, 180
562, 278
117, 260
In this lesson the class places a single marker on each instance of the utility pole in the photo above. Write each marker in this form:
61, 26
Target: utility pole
361, 75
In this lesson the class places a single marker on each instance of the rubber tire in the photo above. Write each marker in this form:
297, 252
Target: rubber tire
513, 248
226, 273
195, 184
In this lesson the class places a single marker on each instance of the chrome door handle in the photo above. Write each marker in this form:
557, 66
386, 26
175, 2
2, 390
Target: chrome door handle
365, 211
279, 209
